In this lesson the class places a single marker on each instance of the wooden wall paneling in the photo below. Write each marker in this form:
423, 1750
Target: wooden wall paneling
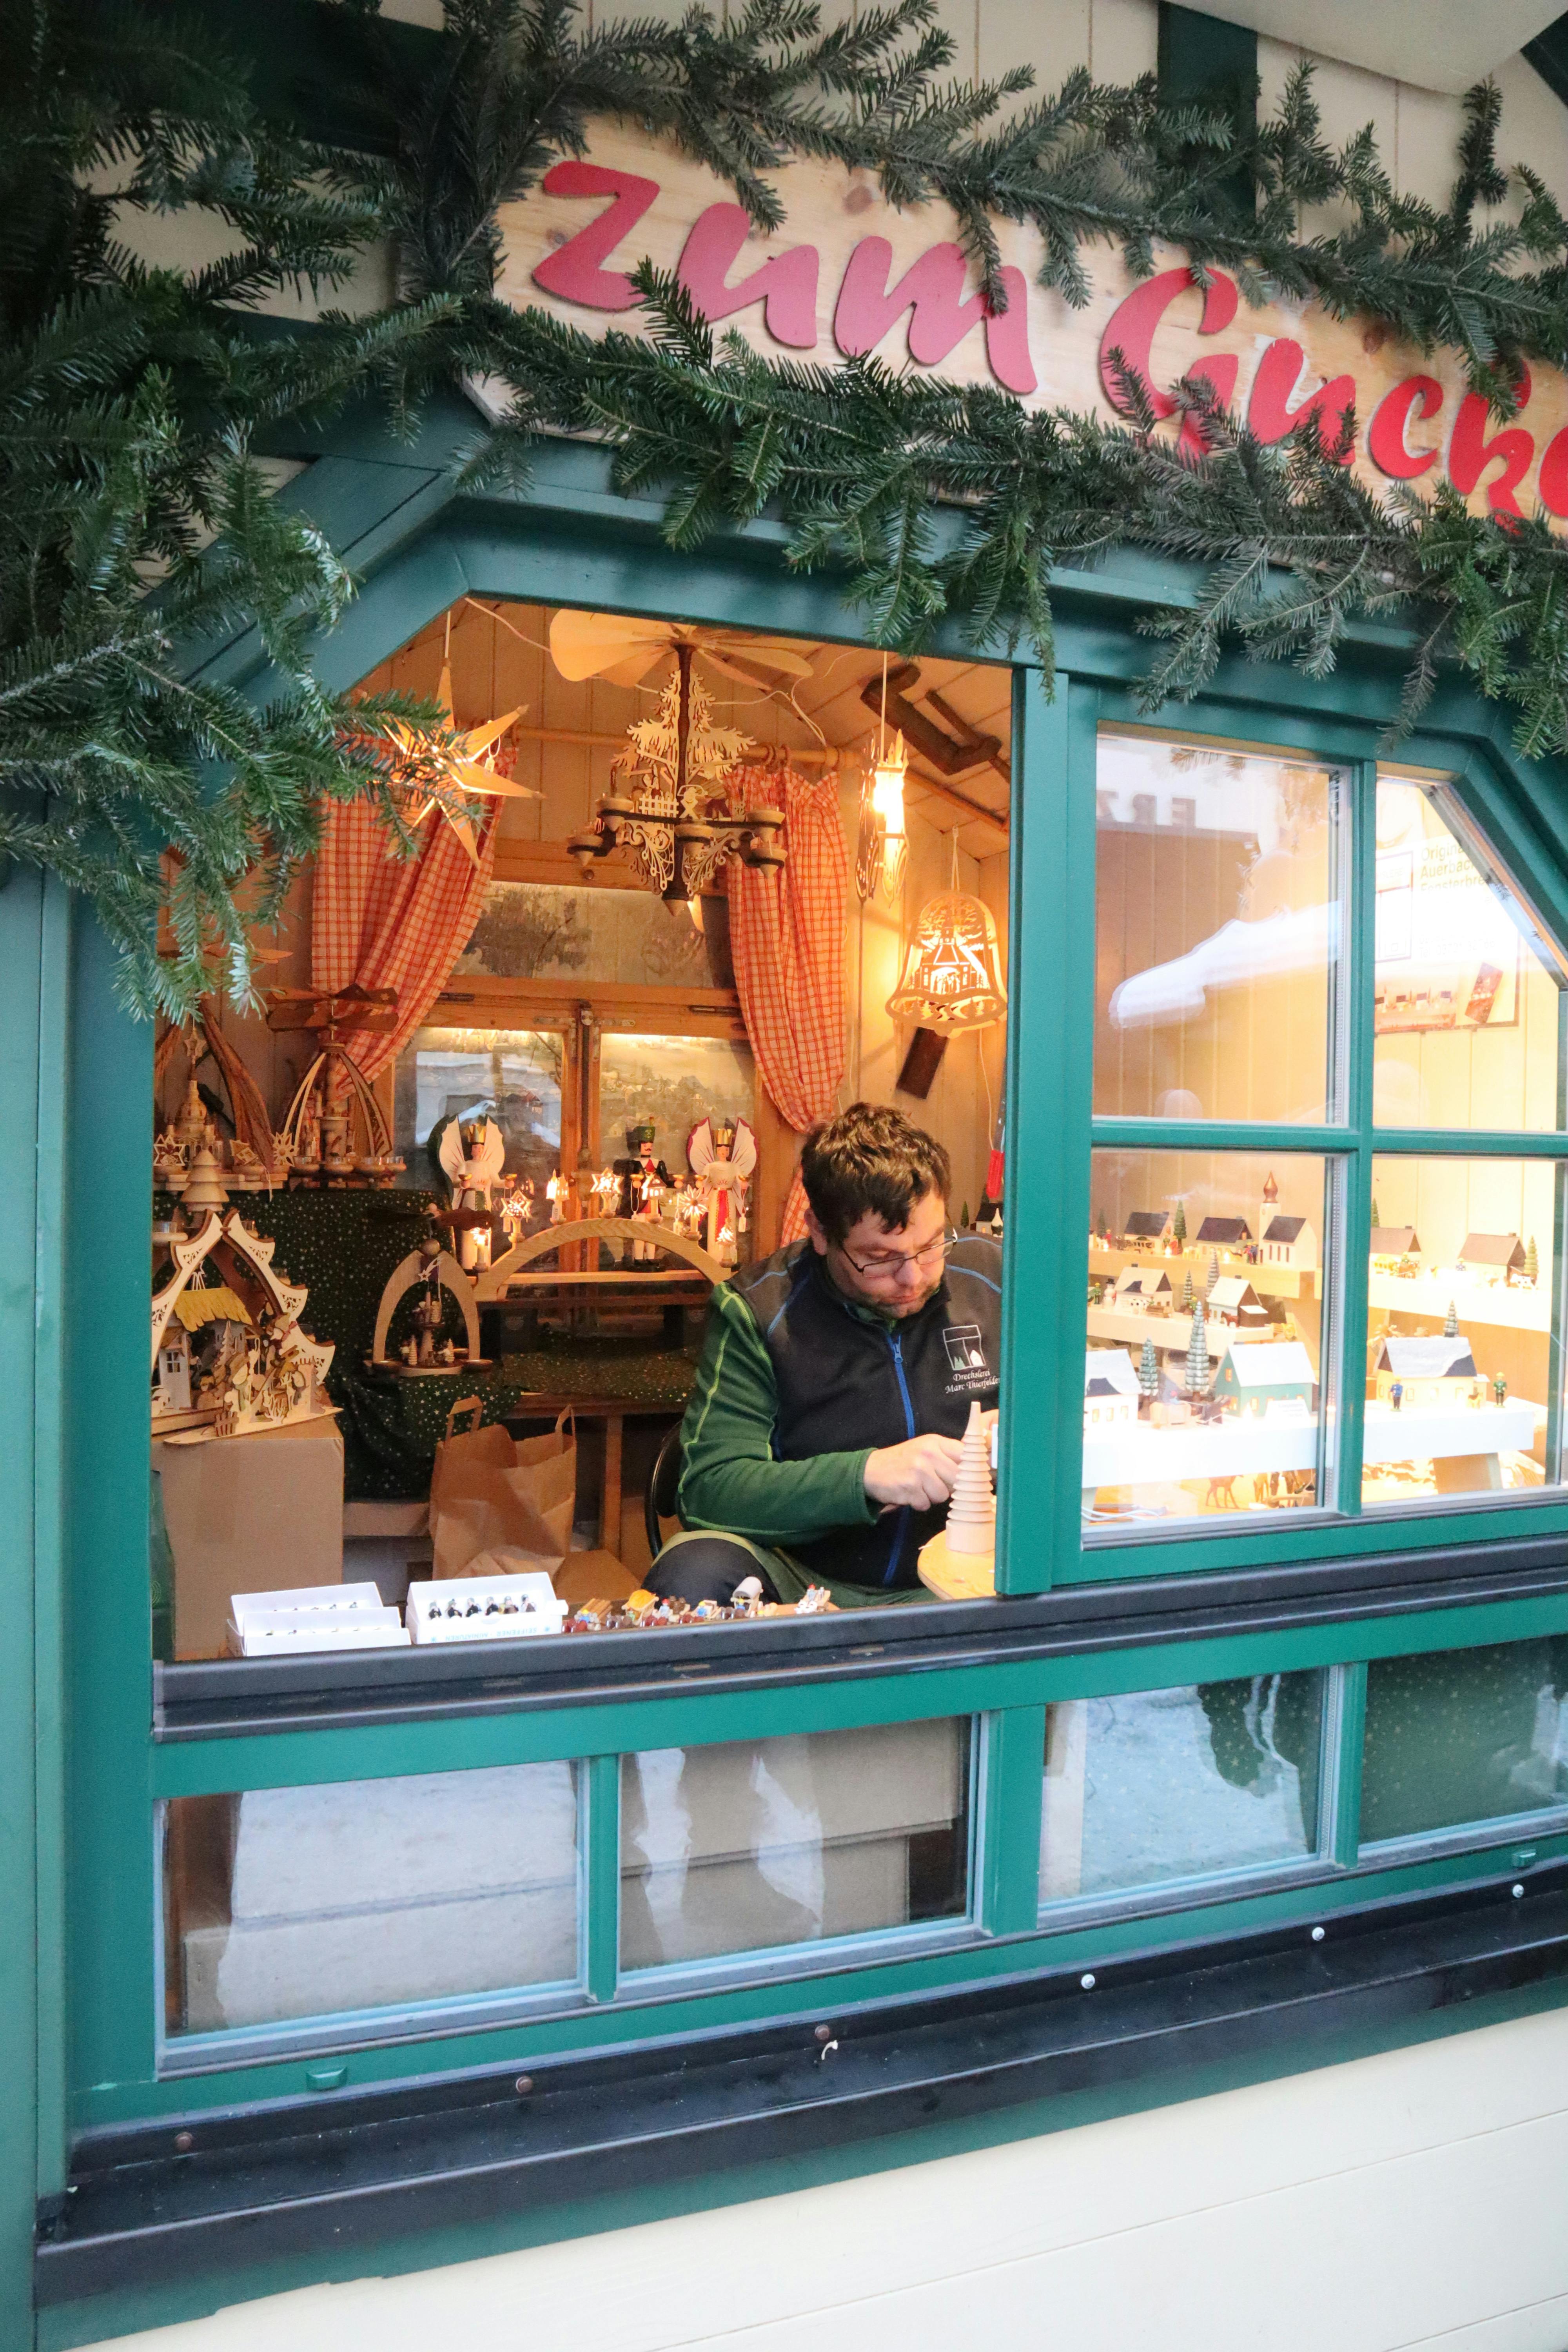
1124, 40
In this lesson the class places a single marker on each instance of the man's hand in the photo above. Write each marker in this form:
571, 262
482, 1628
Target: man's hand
919, 1473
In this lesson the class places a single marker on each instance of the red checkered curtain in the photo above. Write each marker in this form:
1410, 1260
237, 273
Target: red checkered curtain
786, 936
392, 922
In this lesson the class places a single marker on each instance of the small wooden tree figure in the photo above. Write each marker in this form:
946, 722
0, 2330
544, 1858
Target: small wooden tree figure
1531, 1261
1149, 1372
1376, 1212
1214, 1273
1187, 1292
1451, 1322
972, 1510
1179, 1224
1198, 1355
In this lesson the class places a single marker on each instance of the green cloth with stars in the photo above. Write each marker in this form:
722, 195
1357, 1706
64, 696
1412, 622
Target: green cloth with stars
344, 1245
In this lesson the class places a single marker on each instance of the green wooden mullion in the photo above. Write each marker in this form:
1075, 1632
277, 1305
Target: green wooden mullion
1554, 1338
1215, 1135
601, 1798
56, 996
1049, 1076
1348, 1728
1345, 1284
1467, 1143
1007, 1862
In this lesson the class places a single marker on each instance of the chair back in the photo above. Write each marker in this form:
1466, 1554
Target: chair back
662, 1489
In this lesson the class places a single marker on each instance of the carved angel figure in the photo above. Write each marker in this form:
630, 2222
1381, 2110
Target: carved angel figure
723, 1160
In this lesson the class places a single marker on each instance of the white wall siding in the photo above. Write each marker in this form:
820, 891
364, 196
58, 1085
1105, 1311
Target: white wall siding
1411, 2199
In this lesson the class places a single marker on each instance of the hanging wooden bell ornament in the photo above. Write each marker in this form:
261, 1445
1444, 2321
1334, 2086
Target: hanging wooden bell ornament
952, 973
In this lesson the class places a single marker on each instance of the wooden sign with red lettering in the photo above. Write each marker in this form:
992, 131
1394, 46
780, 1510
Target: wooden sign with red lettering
847, 274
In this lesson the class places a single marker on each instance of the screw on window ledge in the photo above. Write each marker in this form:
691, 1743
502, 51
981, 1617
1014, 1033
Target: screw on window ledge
1087, 1982
1518, 1889
524, 2084
823, 2032
184, 2142
1318, 1934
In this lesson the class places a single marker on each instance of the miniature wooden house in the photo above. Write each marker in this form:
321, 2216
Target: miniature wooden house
1144, 1287
1110, 1391
1256, 1376
1233, 1303
1148, 1228
1394, 1247
1289, 1242
1425, 1370
1224, 1233
1493, 1257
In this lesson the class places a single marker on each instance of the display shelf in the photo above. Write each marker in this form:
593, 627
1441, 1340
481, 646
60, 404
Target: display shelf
1144, 1457
1268, 1281
1508, 1310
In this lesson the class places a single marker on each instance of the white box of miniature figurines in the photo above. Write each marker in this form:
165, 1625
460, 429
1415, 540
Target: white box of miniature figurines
313, 1617
484, 1609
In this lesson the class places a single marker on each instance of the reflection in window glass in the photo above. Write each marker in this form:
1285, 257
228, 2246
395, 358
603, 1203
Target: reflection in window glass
777, 1841
296, 1902
1464, 1736
1467, 992
671, 1083
512, 1074
1202, 1380
1217, 933
1155, 1785
1461, 1295
548, 931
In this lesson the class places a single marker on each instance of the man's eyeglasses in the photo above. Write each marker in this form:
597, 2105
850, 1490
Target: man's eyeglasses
886, 1262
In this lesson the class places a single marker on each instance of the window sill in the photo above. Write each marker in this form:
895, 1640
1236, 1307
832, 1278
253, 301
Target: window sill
355, 2168
226, 1698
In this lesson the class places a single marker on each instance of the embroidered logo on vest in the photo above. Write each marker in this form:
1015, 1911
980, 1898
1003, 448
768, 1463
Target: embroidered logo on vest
967, 1358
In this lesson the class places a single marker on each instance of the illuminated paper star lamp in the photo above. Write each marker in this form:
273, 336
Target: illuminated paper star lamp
953, 976
468, 767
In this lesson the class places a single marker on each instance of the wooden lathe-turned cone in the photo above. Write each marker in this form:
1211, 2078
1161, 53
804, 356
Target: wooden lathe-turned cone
972, 1512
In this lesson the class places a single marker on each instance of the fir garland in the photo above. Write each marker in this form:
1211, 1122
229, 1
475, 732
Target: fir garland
129, 398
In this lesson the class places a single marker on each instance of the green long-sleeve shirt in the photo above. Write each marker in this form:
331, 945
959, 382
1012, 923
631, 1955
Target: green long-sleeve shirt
729, 1480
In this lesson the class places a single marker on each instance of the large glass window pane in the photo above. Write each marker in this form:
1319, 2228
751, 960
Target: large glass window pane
1201, 1383
1155, 1785
670, 1084
512, 1074
296, 1902
548, 930
776, 1842
1464, 1736
1468, 990
1217, 932
1461, 1304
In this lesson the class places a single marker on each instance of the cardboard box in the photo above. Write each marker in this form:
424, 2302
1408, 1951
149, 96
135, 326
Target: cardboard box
259, 1513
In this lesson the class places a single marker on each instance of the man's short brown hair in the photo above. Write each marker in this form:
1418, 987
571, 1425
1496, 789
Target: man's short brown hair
870, 1158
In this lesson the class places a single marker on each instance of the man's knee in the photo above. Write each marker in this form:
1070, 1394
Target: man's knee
706, 1567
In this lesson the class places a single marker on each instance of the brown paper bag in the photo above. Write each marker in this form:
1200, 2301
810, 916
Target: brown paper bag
491, 1488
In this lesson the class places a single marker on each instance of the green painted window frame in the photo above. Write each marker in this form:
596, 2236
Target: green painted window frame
1054, 882
1009, 1931
391, 509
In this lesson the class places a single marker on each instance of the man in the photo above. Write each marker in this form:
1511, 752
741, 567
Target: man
821, 1441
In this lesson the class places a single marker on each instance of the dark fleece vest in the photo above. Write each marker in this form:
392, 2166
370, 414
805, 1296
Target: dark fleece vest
847, 1379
